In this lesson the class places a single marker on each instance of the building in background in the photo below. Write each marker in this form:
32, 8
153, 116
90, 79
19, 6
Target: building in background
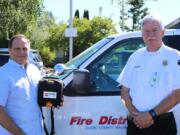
174, 24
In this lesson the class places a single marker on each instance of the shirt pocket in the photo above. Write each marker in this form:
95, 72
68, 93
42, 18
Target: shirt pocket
21, 89
136, 76
166, 78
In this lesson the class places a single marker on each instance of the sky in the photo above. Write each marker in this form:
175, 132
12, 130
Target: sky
168, 10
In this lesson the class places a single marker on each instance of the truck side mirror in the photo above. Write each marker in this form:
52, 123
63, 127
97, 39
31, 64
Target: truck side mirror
81, 81
59, 68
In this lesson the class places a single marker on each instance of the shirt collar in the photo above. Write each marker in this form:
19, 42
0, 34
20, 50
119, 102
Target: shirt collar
17, 65
159, 51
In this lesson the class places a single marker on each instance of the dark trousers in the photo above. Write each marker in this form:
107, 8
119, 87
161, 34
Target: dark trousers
164, 125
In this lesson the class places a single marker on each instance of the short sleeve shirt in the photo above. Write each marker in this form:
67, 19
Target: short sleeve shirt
18, 90
151, 76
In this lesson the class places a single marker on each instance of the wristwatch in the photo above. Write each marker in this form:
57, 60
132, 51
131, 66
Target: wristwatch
153, 114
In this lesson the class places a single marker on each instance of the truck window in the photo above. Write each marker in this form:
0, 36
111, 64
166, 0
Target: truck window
3, 59
82, 57
172, 41
105, 70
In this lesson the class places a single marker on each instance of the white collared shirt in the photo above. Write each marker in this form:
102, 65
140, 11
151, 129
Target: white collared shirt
151, 76
18, 90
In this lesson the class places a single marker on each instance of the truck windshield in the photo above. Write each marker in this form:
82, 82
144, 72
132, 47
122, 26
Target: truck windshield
77, 61
82, 57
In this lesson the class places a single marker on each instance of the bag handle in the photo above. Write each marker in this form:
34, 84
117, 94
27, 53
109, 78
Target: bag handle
52, 122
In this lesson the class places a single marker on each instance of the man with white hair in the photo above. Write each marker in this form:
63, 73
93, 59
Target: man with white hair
149, 77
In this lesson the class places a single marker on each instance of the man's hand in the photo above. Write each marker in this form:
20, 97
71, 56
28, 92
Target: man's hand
61, 104
62, 99
142, 119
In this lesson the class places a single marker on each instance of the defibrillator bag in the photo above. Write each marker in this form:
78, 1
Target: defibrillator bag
50, 91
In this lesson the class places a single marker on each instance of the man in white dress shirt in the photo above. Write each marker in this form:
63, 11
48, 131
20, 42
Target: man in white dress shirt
151, 74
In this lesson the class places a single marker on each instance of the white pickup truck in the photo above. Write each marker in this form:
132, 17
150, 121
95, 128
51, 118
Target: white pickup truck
92, 106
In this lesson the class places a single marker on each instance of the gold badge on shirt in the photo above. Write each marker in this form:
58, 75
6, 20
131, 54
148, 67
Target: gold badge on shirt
165, 62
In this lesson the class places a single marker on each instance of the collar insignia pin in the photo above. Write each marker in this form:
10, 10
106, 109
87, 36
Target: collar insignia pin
178, 62
164, 62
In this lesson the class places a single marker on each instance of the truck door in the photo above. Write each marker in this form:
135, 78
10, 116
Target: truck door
100, 111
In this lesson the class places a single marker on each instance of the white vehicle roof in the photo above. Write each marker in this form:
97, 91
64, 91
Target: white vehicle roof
138, 33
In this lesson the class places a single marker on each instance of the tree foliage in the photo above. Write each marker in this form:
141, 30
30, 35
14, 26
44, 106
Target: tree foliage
132, 11
45, 33
88, 32
86, 14
47, 55
137, 12
91, 31
76, 13
39, 34
17, 15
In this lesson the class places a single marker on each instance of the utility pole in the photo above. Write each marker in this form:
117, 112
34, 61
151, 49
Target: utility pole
70, 26
70, 32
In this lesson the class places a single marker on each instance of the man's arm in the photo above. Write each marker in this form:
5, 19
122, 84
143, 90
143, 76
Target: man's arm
8, 123
168, 102
127, 99
140, 119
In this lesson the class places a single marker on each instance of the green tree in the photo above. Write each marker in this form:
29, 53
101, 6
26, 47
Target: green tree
84, 33
91, 31
136, 12
47, 55
56, 40
131, 11
39, 35
76, 13
39, 32
88, 32
17, 15
86, 14
123, 14
102, 27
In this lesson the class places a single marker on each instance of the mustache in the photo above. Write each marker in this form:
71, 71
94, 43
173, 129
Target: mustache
151, 38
